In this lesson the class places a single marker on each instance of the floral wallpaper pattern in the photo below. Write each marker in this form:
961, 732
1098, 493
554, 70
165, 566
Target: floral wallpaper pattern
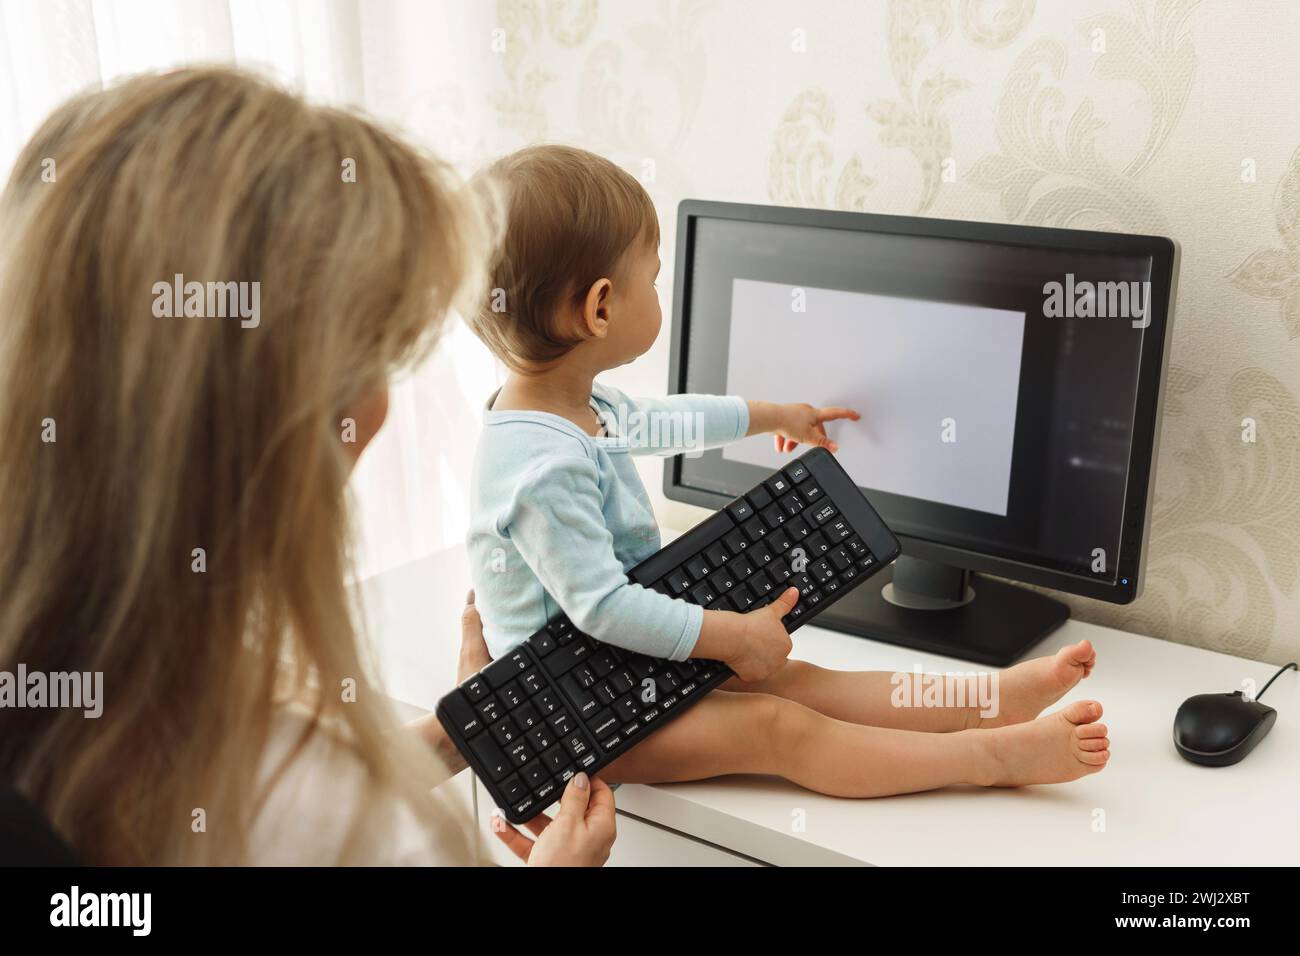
1131, 115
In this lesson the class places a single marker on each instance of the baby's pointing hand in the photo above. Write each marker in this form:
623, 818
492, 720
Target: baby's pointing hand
807, 424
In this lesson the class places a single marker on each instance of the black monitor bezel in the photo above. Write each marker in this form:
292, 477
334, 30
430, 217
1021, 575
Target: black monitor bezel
1163, 253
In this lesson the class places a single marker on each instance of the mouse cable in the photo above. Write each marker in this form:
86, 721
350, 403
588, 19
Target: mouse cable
1284, 667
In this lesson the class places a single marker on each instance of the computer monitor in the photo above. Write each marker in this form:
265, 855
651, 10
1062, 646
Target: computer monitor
1009, 380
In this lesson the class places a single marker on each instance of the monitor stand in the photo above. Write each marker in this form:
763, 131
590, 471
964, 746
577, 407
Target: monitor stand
946, 610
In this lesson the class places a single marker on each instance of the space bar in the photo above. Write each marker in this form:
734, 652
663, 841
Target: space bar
688, 545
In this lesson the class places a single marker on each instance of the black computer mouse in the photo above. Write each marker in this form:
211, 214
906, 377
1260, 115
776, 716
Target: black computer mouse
1218, 730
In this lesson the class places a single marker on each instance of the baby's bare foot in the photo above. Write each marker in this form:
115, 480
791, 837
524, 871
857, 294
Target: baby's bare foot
1026, 690
1060, 747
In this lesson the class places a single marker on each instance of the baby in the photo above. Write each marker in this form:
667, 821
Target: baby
559, 515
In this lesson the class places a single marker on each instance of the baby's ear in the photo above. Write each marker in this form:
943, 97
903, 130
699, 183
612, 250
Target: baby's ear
595, 309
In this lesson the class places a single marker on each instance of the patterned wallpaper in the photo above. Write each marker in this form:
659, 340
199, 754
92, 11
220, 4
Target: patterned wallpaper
1173, 117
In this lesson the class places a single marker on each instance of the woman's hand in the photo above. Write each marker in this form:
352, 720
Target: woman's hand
474, 657
581, 834
474, 654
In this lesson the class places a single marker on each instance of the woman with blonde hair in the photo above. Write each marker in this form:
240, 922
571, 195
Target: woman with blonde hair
198, 310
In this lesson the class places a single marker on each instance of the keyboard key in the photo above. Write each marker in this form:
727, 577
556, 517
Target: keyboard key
518, 753
475, 689
798, 527
547, 793
622, 681
532, 682
773, 516
603, 724
736, 541
540, 738
504, 668
678, 581
837, 530
839, 559
628, 708
642, 666
566, 658
778, 484
604, 693
555, 759
779, 541
534, 774
512, 695
504, 731
811, 491
759, 498
704, 594
741, 510
791, 504
856, 547
490, 710
742, 599
821, 571
463, 714
491, 756
547, 702
823, 513
577, 745
740, 568
760, 554
797, 471
698, 568
526, 716
543, 643
561, 722
602, 661
817, 545
722, 581
716, 554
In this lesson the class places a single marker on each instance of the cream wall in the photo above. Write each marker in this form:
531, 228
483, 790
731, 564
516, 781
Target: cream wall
1157, 116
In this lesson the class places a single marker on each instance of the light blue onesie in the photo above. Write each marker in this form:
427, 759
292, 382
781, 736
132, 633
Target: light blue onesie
558, 517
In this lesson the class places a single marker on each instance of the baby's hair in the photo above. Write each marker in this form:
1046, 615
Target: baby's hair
571, 217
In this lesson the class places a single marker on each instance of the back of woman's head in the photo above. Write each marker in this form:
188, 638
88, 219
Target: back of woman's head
174, 483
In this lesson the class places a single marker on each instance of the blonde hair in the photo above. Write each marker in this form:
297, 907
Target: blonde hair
175, 434
571, 217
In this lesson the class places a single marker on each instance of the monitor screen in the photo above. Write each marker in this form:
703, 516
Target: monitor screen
997, 383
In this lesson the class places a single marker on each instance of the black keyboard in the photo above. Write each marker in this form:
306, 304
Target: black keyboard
563, 702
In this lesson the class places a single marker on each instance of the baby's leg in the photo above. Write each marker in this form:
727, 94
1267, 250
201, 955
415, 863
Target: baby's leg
868, 697
728, 733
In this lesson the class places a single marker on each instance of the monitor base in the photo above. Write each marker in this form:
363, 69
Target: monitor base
997, 625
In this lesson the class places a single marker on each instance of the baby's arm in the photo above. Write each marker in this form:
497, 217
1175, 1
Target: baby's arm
555, 521
694, 423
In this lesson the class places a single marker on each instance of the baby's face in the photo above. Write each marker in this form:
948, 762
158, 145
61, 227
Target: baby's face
635, 316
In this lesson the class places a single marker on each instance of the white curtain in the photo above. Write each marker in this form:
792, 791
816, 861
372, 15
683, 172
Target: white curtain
414, 65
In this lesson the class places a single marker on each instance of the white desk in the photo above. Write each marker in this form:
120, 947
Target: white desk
1148, 806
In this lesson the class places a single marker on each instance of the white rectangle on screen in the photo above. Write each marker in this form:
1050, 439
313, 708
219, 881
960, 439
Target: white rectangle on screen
908, 365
